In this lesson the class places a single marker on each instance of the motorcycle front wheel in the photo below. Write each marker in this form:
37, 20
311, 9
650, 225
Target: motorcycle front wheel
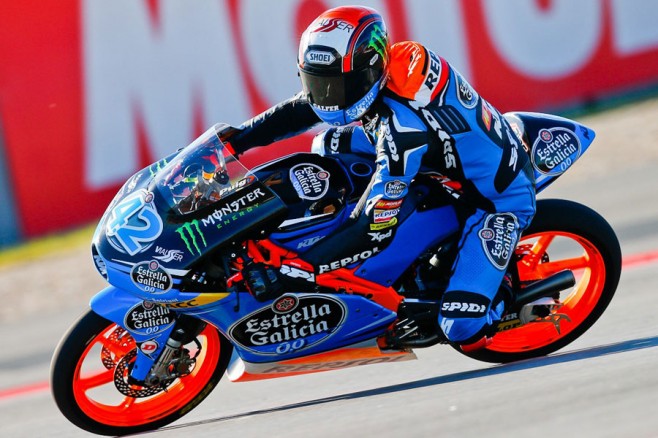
89, 385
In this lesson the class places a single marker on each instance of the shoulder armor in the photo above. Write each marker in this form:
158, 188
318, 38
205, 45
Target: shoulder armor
416, 73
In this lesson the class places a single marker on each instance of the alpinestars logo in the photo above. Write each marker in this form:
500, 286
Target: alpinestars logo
193, 237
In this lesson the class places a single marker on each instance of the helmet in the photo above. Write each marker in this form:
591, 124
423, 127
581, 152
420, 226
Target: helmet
342, 62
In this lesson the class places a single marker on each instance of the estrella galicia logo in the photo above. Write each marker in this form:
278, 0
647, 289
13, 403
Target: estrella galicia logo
147, 317
498, 236
465, 93
150, 277
192, 237
555, 150
394, 189
291, 323
134, 224
310, 181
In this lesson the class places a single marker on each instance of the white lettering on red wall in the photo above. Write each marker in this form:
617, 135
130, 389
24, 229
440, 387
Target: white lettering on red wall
158, 71
97, 90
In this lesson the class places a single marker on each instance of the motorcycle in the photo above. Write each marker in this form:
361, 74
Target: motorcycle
205, 264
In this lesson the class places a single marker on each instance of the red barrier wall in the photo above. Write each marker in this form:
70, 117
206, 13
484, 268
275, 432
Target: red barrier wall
92, 91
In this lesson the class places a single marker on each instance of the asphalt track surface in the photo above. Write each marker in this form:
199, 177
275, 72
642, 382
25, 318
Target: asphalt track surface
605, 384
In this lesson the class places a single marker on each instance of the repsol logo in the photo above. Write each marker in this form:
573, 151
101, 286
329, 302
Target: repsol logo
348, 260
435, 71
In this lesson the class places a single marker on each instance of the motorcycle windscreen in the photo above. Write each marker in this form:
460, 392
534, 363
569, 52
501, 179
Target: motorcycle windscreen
175, 212
200, 175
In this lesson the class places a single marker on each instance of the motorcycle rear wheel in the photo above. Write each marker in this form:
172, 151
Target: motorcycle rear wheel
83, 379
563, 235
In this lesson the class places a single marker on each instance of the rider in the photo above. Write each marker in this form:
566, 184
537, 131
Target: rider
411, 108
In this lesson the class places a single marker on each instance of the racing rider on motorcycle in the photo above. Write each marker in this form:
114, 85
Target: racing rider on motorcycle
413, 110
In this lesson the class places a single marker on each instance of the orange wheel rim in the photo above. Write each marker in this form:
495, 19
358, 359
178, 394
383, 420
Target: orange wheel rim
97, 396
539, 262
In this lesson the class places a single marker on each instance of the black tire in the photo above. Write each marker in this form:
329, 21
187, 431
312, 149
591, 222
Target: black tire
69, 354
557, 215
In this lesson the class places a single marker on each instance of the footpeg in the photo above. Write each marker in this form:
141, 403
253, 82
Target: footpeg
555, 318
538, 310
405, 328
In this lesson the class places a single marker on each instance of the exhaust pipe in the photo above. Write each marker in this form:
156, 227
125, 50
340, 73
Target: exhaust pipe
545, 288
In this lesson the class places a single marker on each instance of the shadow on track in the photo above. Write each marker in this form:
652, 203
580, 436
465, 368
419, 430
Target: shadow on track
588, 353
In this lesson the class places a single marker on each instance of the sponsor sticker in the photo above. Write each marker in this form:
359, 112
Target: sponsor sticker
150, 277
310, 181
379, 236
309, 242
149, 347
319, 57
147, 318
385, 215
348, 260
382, 226
291, 323
394, 189
465, 93
294, 272
464, 305
168, 255
555, 150
192, 236
498, 236
387, 205
134, 224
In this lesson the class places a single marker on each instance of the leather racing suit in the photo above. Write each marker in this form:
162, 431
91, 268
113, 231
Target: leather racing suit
427, 115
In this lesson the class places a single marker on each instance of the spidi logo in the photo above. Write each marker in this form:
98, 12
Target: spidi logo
192, 236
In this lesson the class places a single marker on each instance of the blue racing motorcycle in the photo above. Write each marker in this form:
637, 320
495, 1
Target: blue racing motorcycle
204, 263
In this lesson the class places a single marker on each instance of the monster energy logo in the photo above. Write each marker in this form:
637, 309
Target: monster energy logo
156, 167
189, 233
378, 41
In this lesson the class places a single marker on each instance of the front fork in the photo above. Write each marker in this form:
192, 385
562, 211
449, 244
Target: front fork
158, 332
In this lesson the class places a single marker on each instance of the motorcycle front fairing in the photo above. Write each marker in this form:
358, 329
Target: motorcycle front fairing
153, 238
163, 225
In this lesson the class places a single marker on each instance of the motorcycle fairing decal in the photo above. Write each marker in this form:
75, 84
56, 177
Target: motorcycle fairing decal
292, 322
362, 353
555, 150
134, 224
146, 321
555, 143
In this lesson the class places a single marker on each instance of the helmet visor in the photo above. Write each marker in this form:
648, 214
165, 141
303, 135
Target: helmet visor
338, 91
